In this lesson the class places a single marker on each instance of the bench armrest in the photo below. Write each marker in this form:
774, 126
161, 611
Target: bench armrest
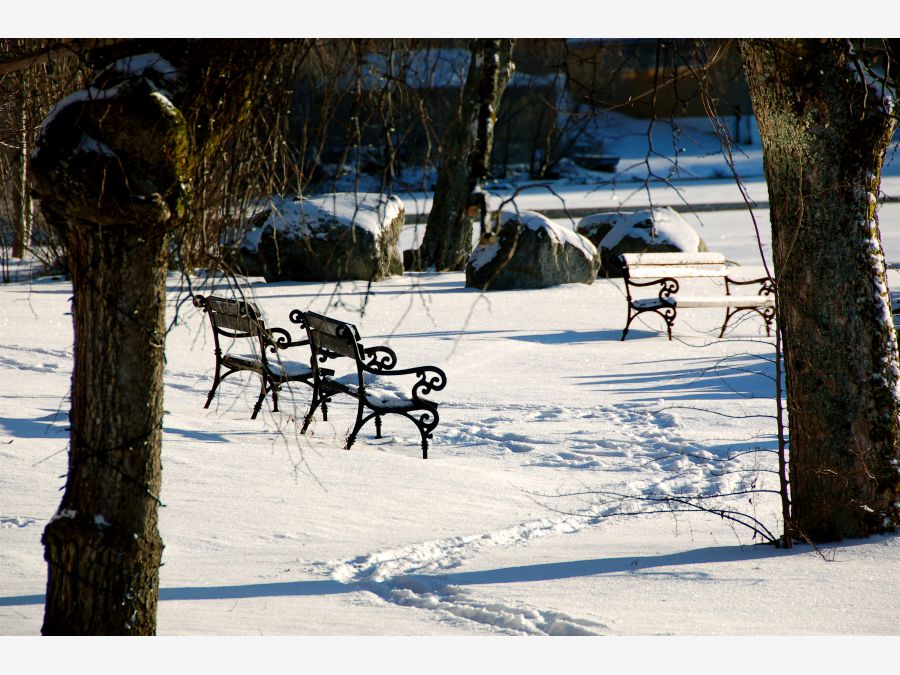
430, 378
279, 338
379, 359
668, 286
766, 284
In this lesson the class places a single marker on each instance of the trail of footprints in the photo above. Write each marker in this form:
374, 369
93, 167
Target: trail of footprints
420, 576
620, 438
600, 437
650, 448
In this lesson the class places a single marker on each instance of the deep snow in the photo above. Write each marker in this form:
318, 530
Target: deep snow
271, 533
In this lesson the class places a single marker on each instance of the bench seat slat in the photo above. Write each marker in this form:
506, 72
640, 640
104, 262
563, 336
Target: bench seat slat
663, 271
675, 258
698, 301
290, 369
239, 362
379, 393
724, 301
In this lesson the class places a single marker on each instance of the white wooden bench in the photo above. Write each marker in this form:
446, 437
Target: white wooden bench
662, 270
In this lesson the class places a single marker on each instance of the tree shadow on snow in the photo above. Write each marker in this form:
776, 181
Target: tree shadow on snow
735, 377
504, 575
635, 564
232, 592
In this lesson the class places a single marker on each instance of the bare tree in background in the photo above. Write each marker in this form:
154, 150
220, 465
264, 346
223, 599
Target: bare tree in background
29, 85
448, 235
366, 108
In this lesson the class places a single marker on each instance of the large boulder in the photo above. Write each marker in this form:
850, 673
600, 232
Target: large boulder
527, 250
654, 230
327, 238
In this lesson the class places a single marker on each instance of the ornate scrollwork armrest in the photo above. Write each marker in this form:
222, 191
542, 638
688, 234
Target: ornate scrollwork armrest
296, 316
766, 284
379, 359
431, 378
279, 338
325, 354
667, 288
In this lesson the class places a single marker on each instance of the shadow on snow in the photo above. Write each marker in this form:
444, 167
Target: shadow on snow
739, 377
505, 575
55, 424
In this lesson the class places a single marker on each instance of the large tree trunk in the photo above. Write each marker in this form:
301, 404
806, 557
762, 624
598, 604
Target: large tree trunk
113, 167
103, 547
110, 168
825, 130
448, 235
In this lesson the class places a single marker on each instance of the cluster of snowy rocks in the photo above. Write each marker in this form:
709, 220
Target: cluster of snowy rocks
355, 236
327, 238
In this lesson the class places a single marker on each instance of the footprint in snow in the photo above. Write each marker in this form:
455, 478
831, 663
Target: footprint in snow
16, 522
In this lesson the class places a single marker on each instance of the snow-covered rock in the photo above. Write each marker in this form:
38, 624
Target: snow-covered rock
654, 230
327, 238
527, 250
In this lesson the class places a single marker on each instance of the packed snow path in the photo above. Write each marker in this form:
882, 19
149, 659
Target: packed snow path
416, 576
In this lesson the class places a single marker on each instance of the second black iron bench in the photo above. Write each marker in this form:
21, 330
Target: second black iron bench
368, 378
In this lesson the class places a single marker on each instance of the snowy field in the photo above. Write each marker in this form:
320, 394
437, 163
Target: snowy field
508, 528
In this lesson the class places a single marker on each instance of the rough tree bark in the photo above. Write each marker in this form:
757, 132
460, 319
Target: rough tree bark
448, 235
109, 170
825, 127
113, 168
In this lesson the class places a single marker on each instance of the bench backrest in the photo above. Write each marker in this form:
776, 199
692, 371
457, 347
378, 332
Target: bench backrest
232, 318
658, 265
332, 335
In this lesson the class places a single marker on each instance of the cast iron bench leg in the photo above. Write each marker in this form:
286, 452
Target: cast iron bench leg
259, 401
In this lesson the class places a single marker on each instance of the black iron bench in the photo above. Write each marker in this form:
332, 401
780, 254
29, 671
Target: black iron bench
367, 379
662, 270
239, 320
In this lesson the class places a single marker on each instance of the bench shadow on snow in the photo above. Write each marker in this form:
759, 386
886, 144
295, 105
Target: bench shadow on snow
568, 337
197, 435
558, 338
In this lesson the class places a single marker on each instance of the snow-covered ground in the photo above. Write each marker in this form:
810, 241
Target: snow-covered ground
509, 528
